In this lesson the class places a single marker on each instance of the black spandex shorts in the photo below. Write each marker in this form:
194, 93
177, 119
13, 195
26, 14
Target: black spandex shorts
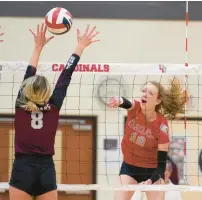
138, 173
33, 174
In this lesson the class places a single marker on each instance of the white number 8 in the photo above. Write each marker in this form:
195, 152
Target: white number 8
37, 120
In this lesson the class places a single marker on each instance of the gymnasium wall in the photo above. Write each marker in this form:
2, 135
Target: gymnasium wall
122, 41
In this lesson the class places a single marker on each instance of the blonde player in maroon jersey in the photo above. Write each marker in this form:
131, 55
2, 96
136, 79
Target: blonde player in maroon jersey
36, 121
146, 141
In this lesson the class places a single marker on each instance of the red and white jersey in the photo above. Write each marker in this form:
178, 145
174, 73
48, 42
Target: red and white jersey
141, 138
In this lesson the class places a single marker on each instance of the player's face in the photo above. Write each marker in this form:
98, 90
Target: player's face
149, 98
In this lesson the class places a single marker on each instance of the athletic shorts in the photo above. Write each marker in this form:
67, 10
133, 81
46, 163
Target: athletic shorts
33, 174
138, 173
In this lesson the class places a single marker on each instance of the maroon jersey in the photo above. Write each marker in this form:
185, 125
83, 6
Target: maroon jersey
35, 131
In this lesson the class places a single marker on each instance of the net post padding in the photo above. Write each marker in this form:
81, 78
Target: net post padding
82, 187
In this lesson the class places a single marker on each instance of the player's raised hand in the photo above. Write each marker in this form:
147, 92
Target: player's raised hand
1, 35
87, 38
40, 38
115, 102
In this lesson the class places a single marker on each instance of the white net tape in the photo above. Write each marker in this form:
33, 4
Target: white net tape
82, 187
112, 68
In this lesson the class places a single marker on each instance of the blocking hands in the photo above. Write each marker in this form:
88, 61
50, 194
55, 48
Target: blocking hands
40, 37
84, 40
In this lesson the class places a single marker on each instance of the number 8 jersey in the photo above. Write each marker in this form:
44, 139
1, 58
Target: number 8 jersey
35, 131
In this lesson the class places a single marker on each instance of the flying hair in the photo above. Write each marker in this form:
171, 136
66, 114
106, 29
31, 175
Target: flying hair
172, 99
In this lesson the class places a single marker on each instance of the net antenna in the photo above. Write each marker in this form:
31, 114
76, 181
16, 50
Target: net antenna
186, 82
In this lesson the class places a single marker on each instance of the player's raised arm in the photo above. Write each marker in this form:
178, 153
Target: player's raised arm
63, 82
40, 40
1, 35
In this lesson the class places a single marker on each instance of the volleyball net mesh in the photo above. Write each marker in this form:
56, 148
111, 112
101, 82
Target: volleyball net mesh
87, 146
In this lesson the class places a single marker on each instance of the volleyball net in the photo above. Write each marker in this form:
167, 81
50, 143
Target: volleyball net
87, 145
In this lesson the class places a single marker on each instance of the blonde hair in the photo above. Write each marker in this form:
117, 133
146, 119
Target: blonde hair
35, 90
172, 99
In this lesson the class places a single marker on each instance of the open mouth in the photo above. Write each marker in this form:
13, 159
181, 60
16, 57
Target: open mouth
144, 101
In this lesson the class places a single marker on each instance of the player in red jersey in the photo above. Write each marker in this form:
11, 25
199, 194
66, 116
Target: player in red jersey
146, 141
36, 121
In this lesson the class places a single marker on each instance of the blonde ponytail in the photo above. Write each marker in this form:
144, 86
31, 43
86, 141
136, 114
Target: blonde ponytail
34, 91
30, 106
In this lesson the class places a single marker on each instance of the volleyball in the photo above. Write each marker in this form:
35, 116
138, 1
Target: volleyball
58, 21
